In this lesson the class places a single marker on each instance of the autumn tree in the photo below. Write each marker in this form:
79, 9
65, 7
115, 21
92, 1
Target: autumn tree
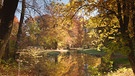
54, 28
117, 24
19, 33
7, 17
10, 47
123, 11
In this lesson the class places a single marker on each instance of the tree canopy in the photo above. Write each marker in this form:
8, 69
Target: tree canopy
107, 25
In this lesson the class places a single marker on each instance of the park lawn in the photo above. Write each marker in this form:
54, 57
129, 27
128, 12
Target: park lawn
93, 52
120, 62
53, 53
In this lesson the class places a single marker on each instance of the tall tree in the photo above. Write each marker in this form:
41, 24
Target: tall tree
126, 18
19, 34
124, 13
7, 17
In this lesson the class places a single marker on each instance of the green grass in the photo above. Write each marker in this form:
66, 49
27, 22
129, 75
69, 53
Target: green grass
121, 62
53, 53
92, 52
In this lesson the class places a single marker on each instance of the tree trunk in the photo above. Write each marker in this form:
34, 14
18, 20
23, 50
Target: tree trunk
1, 4
131, 55
124, 21
7, 16
131, 58
19, 34
6, 53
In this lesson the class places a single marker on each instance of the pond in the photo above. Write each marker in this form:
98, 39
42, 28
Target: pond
55, 63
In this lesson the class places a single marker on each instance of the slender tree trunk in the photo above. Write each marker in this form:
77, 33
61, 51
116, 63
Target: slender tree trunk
7, 52
131, 58
7, 16
131, 55
19, 34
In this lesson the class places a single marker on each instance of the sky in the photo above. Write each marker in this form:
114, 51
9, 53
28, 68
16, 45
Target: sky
40, 2
65, 1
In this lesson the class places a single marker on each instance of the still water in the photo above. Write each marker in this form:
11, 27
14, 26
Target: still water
61, 64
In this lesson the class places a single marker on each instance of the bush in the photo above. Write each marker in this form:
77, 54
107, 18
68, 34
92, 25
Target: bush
121, 72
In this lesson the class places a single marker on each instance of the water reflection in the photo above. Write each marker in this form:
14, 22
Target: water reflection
62, 64
76, 64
